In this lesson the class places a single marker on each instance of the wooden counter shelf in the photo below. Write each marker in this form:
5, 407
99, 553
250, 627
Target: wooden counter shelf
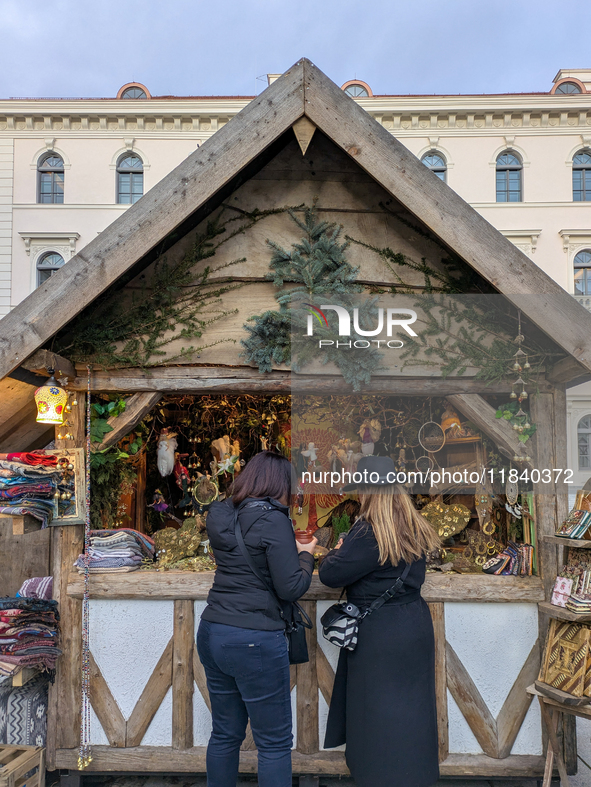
195, 585
579, 543
563, 614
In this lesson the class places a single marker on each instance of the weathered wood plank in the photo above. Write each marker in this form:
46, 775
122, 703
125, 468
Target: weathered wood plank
447, 215
105, 706
154, 759
22, 524
136, 407
68, 674
470, 702
438, 616
150, 699
245, 379
186, 585
75, 425
480, 413
42, 360
137, 231
199, 678
20, 431
516, 706
325, 674
307, 691
182, 675
550, 718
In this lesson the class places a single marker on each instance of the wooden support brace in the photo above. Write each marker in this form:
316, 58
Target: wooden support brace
182, 675
24, 676
42, 360
137, 406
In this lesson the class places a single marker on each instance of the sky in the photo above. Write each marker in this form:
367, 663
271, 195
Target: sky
225, 47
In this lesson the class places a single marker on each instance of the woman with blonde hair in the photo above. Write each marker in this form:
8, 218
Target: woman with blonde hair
383, 701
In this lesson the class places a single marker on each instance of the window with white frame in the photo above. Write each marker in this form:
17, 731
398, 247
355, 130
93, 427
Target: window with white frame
130, 179
47, 265
584, 442
435, 161
50, 179
582, 265
582, 176
509, 177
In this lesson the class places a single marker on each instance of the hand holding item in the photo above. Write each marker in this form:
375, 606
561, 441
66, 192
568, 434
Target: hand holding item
308, 546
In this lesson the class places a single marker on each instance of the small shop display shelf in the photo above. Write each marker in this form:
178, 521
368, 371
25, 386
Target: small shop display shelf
22, 766
578, 543
563, 614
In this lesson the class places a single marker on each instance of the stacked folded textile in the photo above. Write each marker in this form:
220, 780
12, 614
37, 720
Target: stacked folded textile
29, 634
27, 489
116, 551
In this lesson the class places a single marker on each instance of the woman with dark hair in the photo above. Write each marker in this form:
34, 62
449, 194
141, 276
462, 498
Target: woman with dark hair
241, 638
383, 700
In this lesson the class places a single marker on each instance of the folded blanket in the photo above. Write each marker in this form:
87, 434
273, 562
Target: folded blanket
36, 587
109, 562
122, 570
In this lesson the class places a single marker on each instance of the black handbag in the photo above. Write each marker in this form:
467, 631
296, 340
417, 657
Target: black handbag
295, 618
340, 622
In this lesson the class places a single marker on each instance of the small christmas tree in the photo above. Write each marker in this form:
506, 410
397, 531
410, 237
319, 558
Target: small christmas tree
316, 267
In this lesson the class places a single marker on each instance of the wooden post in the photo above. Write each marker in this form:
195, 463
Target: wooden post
438, 616
182, 675
75, 425
140, 494
307, 691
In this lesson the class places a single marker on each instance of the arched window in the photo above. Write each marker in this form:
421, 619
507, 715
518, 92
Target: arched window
50, 179
584, 442
568, 88
436, 163
130, 179
134, 92
355, 90
582, 176
509, 168
583, 272
47, 264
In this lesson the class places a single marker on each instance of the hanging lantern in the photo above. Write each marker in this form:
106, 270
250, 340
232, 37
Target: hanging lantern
51, 402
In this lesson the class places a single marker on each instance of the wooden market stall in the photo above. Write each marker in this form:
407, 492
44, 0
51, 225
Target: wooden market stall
302, 142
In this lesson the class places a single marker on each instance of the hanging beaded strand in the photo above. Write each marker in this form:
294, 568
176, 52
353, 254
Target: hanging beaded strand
84, 754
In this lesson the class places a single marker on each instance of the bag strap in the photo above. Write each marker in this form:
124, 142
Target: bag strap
255, 570
388, 594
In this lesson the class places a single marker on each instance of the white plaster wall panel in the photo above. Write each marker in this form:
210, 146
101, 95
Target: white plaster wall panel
461, 737
294, 716
529, 737
97, 734
159, 733
583, 777
493, 642
330, 651
6, 188
201, 720
127, 638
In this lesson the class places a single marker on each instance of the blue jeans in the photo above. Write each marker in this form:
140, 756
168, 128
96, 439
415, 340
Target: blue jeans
248, 678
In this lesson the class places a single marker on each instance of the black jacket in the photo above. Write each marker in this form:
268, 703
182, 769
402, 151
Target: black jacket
238, 597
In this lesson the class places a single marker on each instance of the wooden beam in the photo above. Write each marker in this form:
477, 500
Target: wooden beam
136, 407
23, 524
172, 585
438, 616
75, 425
42, 360
480, 413
21, 432
304, 131
151, 698
182, 675
244, 379
105, 706
307, 691
568, 372
199, 677
144, 225
516, 705
447, 215
163, 759
325, 674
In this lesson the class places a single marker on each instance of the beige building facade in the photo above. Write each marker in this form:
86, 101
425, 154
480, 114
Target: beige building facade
69, 167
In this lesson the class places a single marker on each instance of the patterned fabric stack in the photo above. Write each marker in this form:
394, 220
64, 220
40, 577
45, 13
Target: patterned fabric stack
23, 712
26, 489
29, 634
117, 551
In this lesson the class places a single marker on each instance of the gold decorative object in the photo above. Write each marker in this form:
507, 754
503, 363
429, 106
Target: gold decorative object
51, 401
174, 545
447, 519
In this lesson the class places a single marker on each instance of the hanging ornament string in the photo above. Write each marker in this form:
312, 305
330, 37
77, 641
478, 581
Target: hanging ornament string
84, 754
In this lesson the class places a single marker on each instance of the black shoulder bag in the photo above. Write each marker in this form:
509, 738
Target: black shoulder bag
340, 622
295, 627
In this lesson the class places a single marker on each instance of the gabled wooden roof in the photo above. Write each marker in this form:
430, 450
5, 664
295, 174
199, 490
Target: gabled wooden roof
223, 162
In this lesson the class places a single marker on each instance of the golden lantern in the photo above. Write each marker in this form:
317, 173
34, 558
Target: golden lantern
51, 402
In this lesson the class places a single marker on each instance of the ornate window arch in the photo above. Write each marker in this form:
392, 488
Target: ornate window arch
509, 177
47, 264
356, 88
569, 86
584, 442
50, 178
582, 266
582, 175
130, 178
436, 162
133, 90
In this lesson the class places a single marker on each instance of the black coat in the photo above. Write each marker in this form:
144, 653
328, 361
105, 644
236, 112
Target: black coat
383, 701
238, 597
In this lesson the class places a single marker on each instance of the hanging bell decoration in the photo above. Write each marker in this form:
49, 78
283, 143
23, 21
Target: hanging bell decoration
51, 401
516, 367
512, 395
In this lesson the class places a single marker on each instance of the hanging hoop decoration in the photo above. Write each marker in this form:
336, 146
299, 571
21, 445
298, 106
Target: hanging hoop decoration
431, 437
424, 464
410, 432
511, 492
205, 491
